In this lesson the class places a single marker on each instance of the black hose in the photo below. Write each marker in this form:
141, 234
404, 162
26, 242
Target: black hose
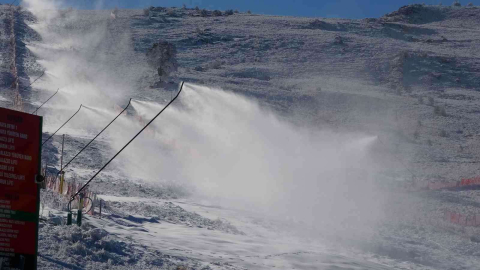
125, 146
45, 102
62, 125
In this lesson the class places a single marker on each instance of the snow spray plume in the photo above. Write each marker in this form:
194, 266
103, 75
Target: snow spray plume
68, 163
43, 9
97, 110
87, 107
45, 101
228, 147
62, 125
87, 55
224, 144
43, 73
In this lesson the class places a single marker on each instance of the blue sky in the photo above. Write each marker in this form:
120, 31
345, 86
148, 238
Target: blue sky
354, 9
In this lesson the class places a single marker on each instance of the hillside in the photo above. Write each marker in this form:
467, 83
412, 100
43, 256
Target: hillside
410, 79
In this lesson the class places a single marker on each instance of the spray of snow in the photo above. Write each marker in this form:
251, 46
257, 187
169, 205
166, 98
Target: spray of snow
225, 145
230, 148
82, 58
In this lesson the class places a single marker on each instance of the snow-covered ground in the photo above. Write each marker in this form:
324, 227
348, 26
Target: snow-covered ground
262, 243
300, 162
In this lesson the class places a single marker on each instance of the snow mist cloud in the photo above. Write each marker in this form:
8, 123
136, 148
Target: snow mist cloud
85, 57
225, 145
228, 147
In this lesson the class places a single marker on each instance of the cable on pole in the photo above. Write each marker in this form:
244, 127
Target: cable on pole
62, 125
68, 163
34, 112
125, 146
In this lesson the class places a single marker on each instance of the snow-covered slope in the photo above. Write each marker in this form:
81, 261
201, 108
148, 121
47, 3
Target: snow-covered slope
300, 85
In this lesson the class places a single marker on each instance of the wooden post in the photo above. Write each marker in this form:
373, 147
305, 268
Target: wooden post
62, 180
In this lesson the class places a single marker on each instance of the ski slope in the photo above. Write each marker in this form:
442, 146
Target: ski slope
293, 145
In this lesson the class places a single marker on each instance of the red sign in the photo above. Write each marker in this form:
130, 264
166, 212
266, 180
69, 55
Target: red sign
20, 148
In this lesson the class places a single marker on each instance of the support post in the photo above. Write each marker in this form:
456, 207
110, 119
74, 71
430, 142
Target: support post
79, 212
61, 157
62, 173
69, 218
79, 217
62, 181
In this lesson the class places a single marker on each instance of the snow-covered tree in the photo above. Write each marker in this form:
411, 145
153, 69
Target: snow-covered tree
146, 12
114, 13
163, 57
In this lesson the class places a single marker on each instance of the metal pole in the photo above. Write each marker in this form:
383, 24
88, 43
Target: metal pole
35, 112
79, 211
62, 125
61, 157
125, 146
69, 218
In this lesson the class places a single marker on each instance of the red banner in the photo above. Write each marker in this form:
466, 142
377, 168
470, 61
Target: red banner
464, 220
